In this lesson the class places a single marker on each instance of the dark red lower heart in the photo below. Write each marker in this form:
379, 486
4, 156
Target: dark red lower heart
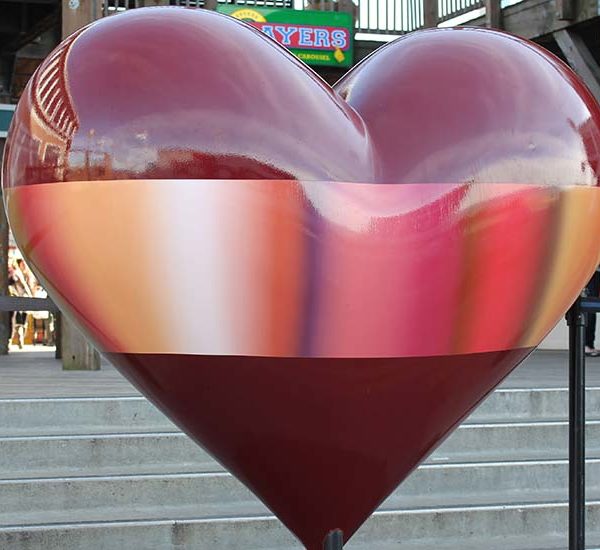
321, 441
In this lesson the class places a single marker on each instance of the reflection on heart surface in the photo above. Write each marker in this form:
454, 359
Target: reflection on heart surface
316, 284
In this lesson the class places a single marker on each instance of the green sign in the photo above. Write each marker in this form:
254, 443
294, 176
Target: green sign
6, 114
316, 37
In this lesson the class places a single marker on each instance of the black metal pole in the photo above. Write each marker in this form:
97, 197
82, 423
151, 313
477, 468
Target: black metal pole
58, 335
334, 540
576, 319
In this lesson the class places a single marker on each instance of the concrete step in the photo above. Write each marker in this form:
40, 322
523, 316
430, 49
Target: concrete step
506, 527
72, 416
120, 454
532, 405
61, 456
185, 496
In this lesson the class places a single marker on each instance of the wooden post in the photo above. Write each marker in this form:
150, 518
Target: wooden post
348, 6
4, 316
77, 14
430, 13
77, 353
493, 14
565, 10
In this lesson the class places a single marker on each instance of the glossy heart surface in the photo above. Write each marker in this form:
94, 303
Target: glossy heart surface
316, 284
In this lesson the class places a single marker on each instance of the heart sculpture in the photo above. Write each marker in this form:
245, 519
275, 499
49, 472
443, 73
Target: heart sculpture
316, 284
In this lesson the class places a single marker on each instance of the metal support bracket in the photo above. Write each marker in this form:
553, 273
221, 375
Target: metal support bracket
334, 540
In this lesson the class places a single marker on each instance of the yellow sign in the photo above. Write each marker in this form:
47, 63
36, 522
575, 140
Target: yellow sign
339, 55
247, 14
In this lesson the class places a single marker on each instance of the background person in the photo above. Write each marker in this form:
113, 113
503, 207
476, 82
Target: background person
18, 286
43, 321
592, 290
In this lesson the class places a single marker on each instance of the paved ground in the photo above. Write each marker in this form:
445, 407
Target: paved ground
549, 369
38, 374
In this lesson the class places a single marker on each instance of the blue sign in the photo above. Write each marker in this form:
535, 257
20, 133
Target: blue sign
6, 114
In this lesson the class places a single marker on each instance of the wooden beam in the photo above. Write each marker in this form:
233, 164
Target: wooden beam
493, 14
430, 13
534, 18
77, 352
41, 26
25, 303
580, 58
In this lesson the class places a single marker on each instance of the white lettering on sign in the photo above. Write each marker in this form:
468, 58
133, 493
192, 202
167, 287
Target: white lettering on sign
322, 38
286, 32
306, 39
306, 36
338, 39
269, 31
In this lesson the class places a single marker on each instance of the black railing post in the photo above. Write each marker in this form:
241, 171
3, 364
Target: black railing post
334, 540
576, 319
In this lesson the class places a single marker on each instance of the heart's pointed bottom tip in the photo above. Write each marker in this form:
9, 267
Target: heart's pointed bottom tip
321, 441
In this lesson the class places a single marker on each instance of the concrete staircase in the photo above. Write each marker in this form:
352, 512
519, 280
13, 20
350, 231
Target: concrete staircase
113, 473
